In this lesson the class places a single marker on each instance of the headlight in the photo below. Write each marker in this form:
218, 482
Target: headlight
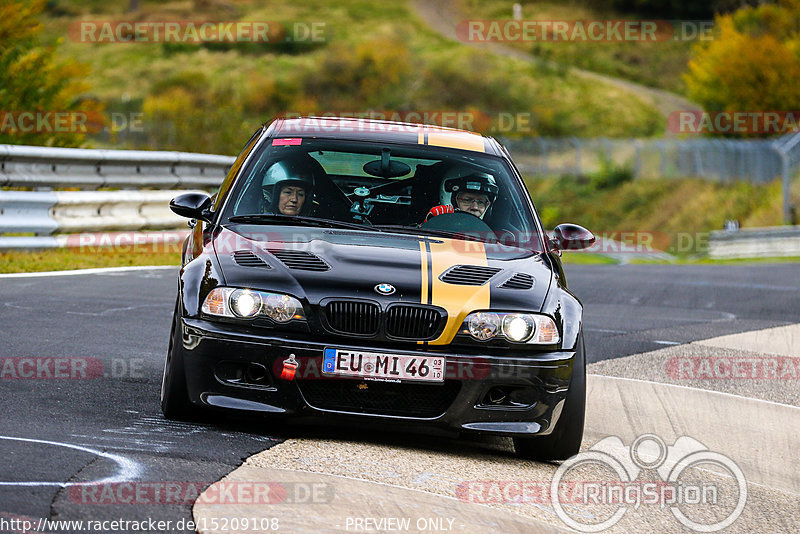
246, 303
281, 308
483, 326
530, 328
518, 327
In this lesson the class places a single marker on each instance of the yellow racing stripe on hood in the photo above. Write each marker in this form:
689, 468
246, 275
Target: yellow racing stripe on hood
458, 300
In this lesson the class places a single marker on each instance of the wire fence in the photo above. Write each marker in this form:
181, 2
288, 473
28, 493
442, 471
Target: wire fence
756, 161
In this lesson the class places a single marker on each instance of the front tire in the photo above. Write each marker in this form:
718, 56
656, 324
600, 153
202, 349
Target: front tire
175, 402
565, 439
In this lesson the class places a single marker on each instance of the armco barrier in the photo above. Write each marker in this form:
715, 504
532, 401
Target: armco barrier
37, 167
27, 211
144, 183
48, 212
778, 241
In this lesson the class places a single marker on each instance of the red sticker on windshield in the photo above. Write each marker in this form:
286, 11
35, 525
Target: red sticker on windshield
287, 142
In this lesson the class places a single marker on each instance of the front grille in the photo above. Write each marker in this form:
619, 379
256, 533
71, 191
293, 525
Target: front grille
353, 317
300, 259
382, 398
469, 275
518, 281
246, 258
413, 322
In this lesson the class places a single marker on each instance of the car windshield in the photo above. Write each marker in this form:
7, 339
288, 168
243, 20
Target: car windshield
384, 187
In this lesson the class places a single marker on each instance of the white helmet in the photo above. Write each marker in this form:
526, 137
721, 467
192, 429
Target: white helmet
287, 172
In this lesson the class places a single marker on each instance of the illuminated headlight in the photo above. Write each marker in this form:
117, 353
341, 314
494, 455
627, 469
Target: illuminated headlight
483, 326
246, 303
530, 328
518, 327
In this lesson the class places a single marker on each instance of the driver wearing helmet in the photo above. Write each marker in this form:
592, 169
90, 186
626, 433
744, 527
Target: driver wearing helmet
287, 188
470, 191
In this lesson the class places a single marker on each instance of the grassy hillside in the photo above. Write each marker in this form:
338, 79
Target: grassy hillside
203, 97
656, 64
672, 210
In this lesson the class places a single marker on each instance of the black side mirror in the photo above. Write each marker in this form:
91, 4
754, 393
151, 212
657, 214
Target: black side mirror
192, 206
568, 236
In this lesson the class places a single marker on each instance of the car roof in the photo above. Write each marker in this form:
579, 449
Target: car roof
363, 129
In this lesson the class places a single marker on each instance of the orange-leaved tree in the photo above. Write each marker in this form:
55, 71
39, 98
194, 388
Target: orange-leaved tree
33, 82
752, 63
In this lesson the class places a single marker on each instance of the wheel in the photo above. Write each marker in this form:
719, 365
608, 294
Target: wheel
175, 402
565, 439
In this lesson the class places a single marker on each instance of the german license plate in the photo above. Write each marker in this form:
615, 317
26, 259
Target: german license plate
383, 367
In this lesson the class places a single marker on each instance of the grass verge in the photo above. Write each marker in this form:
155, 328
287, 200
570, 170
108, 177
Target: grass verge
68, 259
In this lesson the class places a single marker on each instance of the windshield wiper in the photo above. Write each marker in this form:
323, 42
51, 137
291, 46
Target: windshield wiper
429, 231
297, 220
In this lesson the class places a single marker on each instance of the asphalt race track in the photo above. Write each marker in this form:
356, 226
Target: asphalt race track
102, 421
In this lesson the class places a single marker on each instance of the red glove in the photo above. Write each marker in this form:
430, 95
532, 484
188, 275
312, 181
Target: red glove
439, 210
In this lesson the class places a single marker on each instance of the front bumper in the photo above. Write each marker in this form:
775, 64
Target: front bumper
231, 367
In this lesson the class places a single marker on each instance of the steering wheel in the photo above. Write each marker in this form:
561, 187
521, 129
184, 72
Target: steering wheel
462, 222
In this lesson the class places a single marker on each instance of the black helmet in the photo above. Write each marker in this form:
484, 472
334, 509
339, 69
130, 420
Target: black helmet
462, 179
284, 173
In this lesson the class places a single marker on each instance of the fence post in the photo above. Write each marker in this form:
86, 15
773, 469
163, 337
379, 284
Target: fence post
637, 159
786, 178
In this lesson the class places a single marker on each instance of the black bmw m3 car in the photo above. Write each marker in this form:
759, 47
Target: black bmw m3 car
383, 274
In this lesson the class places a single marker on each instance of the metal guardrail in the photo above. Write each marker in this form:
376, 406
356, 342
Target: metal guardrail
43, 210
46, 167
49, 212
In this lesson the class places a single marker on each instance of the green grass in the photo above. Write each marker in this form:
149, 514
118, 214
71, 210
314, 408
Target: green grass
585, 258
657, 64
68, 259
705, 260
667, 208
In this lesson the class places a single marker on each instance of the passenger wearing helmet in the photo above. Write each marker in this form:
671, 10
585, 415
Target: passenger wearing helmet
287, 187
470, 191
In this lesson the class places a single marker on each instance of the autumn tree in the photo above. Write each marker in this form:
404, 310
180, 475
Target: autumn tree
33, 80
752, 63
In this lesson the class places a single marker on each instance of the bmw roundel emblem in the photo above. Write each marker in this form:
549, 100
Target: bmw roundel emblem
385, 289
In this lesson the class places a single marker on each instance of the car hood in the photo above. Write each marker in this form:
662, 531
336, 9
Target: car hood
316, 264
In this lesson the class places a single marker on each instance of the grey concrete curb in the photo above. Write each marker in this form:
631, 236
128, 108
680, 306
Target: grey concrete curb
761, 437
340, 502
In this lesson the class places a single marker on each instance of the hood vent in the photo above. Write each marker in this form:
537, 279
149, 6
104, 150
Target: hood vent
246, 258
518, 281
300, 260
469, 275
